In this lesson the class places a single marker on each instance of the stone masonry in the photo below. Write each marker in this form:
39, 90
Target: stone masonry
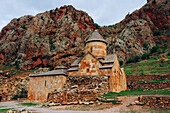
87, 78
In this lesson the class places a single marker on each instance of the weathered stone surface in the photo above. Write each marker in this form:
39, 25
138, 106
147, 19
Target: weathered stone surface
156, 101
81, 88
41, 86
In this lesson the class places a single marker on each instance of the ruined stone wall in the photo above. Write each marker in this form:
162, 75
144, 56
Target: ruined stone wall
81, 88
156, 101
145, 82
98, 49
39, 87
89, 66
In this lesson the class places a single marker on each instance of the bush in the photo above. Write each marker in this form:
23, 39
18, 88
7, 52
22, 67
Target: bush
104, 34
137, 59
154, 49
145, 45
110, 25
23, 26
145, 56
97, 26
156, 33
121, 62
129, 61
15, 97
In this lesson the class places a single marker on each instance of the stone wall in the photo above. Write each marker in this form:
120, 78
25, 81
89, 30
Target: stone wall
156, 101
145, 82
89, 66
40, 86
80, 88
98, 49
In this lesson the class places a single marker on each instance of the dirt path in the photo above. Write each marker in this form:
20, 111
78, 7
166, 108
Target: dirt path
38, 109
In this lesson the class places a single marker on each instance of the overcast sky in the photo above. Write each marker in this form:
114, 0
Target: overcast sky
104, 12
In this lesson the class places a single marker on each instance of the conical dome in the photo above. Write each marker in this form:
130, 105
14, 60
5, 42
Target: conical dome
95, 36
96, 45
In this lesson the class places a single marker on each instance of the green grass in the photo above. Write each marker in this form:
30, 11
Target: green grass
149, 67
156, 81
28, 104
5, 110
110, 95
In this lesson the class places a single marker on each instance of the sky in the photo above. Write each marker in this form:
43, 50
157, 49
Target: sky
103, 12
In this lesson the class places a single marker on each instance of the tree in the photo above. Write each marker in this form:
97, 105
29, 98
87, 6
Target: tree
97, 26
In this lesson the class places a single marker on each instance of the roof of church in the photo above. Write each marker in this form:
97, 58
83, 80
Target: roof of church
73, 69
78, 60
61, 67
49, 73
109, 58
95, 36
105, 67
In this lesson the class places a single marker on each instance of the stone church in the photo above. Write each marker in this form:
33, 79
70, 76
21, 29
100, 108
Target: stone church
92, 74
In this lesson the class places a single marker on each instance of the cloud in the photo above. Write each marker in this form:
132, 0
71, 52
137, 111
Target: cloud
104, 12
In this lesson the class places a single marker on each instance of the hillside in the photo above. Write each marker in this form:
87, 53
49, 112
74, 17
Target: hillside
57, 36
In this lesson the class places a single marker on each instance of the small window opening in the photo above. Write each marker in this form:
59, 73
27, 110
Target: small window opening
45, 82
91, 49
88, 70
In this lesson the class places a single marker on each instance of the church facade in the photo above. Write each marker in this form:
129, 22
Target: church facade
95, 62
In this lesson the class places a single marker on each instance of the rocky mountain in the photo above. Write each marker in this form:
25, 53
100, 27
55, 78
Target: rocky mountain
57, 36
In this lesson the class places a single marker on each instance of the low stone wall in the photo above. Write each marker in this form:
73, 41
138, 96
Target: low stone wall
144, 82
148, 77
81, 88
156, 101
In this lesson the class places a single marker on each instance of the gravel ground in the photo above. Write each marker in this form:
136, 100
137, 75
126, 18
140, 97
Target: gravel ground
38, 109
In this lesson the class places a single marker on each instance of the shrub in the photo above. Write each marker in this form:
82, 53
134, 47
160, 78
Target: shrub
145, 56
137, 59
145, 45
129, 61
121, 62
110, 25
97, 26
154, 49
104, 34
15, 97
156, 33
23, 26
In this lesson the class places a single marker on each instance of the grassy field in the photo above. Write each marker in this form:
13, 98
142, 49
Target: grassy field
28, 104
110, 95
5, 110
153, 66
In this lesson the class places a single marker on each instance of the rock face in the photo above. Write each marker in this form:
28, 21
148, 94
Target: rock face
57, 36
128, 37
40, 41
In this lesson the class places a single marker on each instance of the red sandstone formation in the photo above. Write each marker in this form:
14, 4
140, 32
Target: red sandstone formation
57, 36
